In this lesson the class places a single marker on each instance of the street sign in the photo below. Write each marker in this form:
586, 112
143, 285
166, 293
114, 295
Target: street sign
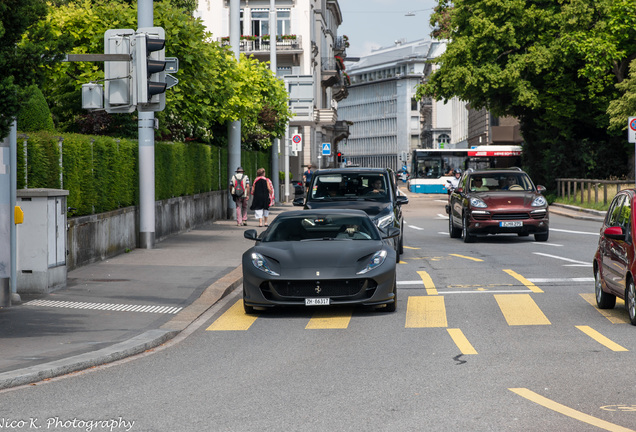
297, 141
631, 130
326, 149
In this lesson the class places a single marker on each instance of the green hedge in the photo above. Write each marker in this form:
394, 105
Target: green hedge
101, 173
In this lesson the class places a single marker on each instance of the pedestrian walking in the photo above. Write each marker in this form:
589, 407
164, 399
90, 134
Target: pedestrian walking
240, 191
263, 192
307, 175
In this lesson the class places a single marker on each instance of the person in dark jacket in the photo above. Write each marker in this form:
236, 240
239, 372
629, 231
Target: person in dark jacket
263, 193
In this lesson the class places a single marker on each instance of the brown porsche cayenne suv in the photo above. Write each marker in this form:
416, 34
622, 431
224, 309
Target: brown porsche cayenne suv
497, 201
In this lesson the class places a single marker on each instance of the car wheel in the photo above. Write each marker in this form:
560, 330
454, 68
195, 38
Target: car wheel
466, 236
542, 237
392, 307
454, 232
603, 299
248, 309
630, 301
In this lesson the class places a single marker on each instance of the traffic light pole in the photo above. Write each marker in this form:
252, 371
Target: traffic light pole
146, 136
273, 33
234, 128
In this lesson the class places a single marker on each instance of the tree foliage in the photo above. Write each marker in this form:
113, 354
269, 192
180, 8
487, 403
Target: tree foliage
20, 63
213, 87
553, 64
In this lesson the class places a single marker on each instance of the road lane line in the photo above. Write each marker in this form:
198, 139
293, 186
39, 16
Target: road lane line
520, 309
461, 341
563, 258
601, 339
425, 311
330, 319
416, 228
574, 232
233, 319
618, 315
524, 281
567, 411
467, 257
428, 283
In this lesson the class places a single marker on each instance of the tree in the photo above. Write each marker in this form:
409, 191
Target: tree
21, 64
213, 89
538, 61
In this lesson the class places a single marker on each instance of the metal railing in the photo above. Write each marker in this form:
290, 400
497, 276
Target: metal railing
258, 43
580, 188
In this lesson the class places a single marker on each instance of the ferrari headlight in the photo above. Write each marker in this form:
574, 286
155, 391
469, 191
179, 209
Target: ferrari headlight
384, 221
260, 263
376, 261
477, 203
539, 201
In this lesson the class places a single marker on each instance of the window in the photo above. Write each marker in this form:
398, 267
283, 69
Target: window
614, 211
260, 22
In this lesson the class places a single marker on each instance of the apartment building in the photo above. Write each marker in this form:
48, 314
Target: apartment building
309, 55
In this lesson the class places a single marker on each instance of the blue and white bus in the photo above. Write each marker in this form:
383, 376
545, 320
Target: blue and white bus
431, 168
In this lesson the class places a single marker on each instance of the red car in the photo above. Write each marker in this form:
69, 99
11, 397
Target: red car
614, 265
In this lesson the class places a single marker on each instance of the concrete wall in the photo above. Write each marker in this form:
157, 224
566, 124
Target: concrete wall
97, 237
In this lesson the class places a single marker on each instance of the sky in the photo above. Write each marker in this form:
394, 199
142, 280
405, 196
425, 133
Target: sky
371, 24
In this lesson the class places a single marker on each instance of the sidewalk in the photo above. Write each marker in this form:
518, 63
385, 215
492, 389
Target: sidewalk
577, 212
124, 305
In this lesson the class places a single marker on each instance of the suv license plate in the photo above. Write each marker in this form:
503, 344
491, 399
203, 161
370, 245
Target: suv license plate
317, 301
511, 224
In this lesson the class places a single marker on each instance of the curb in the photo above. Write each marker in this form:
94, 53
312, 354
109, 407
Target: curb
577, 212
133, 346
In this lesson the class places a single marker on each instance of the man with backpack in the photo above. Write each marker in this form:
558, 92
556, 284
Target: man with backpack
240, 191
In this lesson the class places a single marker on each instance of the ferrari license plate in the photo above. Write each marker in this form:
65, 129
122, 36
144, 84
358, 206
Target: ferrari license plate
511, 224
317, 301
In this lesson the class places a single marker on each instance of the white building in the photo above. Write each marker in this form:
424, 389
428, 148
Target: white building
309, 52
388, 119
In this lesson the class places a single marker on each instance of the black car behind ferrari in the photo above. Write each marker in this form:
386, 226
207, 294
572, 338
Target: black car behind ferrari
320, 258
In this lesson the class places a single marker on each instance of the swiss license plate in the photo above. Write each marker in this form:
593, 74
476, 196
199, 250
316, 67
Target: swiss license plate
511, 224
322, 301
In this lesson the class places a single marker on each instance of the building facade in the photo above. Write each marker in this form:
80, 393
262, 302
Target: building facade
309, 57
386, 118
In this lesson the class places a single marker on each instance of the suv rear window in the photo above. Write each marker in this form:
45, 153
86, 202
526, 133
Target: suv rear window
334, 186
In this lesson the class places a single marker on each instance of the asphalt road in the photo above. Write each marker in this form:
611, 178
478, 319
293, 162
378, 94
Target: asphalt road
497, 335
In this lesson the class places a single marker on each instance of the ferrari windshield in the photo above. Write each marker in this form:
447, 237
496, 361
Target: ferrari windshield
333, 227
373, 186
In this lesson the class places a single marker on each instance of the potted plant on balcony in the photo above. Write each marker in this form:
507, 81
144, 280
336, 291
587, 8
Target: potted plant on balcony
340, 62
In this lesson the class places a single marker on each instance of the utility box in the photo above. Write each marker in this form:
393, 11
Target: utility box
41, 241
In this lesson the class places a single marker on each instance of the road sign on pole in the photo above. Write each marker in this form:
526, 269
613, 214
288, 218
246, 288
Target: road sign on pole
326, 149
631, 130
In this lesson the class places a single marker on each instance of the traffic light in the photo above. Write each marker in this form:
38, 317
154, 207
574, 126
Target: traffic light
339, 157
118, 76
150, 64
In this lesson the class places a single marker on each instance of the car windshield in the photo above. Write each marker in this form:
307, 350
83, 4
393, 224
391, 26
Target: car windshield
372, 186
499, 182
332, 227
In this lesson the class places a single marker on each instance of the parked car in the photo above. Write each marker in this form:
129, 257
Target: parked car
373, 190
320, 258
496, 201
614, 266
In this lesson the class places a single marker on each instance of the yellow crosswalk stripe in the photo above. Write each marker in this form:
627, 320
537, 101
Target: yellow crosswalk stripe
532, 287
428, 283
233, 319
618, 315
601, 339
425, 311
330, 319
461, 341
520, 309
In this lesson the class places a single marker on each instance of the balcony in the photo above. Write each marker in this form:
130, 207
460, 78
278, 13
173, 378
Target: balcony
259, 46
331, 70
326, 116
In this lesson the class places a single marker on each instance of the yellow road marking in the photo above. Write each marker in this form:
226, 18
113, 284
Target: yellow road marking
520, 309
424, 311
234, 318
428, 283
330, 319
524, 281
618, 315
467, 257
567, 411
409, 247
461, 341
601, 339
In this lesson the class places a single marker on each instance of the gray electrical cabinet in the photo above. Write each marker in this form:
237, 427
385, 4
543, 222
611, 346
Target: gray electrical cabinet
41, 241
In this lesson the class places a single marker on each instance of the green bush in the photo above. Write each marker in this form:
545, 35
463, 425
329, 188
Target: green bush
35, 114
